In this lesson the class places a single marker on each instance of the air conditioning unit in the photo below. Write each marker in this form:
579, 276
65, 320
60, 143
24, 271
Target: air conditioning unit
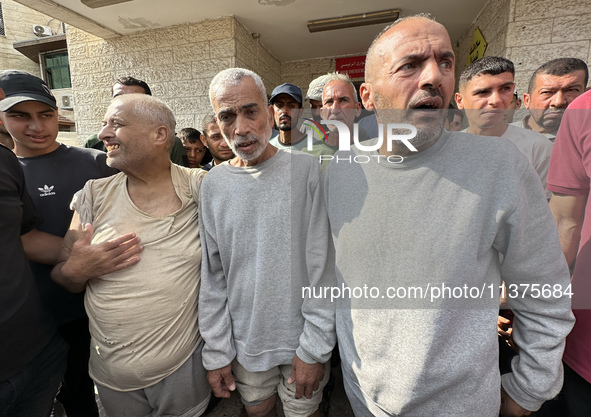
42, 30
67, 102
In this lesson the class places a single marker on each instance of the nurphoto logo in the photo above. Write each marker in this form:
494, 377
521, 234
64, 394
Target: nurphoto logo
402, 132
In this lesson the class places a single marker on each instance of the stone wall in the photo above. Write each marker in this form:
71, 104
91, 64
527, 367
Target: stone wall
178, 63
492, 22
531, 32
252, 54
18, 26
301, 73
541, 30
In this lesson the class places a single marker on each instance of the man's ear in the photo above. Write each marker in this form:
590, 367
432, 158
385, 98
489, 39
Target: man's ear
271, 118
365, 92
161, 134
300, 113
203, 140
357, 109
526, 100
459, 101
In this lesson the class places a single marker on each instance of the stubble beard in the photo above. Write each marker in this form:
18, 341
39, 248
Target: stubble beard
426, 132
549, 124
262, 140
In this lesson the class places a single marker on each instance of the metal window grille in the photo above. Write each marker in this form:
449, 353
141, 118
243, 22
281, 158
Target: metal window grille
2, 32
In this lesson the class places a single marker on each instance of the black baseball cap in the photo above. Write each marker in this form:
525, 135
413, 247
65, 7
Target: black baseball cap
293, 90
21, 86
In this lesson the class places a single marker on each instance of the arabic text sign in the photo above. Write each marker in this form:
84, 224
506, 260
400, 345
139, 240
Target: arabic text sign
353, 66
477, 47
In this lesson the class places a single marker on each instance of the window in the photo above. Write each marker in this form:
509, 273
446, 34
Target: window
56, 70
2, 32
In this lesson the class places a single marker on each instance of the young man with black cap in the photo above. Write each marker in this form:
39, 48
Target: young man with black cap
32, 355
54, 172
286, 100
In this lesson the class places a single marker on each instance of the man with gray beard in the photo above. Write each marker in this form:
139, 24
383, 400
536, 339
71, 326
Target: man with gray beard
422, 224
265, 239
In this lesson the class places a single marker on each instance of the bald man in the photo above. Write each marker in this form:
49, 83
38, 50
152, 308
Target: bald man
145, 355
419, 227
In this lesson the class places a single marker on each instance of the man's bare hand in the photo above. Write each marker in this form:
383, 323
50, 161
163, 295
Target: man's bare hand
505, 330
306, 377
509, 408
86, 261
222, 381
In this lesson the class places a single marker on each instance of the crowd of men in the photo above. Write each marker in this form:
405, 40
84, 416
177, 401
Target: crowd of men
160, 284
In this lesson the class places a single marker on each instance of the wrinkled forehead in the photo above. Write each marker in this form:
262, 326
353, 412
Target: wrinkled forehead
122, 108
338, 88
235, 96
415, 36
551, 81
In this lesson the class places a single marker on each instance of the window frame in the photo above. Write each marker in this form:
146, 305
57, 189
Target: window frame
44, 69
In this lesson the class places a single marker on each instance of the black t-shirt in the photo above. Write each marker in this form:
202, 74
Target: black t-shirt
52, 180
24, 329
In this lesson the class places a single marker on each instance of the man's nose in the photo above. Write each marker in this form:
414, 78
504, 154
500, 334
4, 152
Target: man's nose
242, 125
105, 133
431, 75
494, 99
35, 124
559, 100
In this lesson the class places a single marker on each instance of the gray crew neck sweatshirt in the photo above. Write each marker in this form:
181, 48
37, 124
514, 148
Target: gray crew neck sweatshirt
265, 235
443, 217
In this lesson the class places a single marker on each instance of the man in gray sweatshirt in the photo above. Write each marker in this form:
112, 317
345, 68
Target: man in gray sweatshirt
419, 227
266, 239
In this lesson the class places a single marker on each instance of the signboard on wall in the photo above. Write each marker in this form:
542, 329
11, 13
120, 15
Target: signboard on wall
353, 66
477, 47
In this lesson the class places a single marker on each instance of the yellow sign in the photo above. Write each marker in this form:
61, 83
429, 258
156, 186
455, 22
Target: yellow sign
477, 47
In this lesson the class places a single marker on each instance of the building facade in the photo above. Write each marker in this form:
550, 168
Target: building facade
178, 62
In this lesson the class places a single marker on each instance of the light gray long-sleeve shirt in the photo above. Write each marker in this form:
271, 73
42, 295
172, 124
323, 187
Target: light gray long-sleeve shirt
265, 236
440, 219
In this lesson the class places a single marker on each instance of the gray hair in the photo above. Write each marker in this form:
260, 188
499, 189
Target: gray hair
208, 119
151, 110
371, 51
232, 77
335, 76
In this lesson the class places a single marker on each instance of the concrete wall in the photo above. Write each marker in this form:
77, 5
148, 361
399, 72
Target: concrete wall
178, 63
18, 26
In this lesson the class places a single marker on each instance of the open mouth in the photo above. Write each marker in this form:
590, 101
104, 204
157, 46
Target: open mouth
112, 147
246, 144
429, 103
